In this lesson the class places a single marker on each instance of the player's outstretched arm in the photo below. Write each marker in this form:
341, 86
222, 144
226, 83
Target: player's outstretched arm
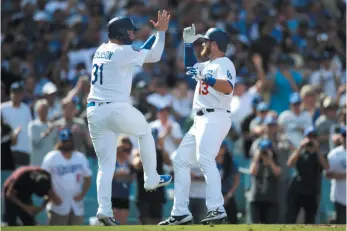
189, 37
155, 44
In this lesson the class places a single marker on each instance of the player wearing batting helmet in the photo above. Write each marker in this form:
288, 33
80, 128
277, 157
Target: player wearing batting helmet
119, 27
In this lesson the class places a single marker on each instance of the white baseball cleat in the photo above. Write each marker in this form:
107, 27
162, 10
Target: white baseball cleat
107, 221
164, 180
178, 220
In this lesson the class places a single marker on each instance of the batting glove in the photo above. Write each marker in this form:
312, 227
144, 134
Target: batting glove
189, 35
196, 74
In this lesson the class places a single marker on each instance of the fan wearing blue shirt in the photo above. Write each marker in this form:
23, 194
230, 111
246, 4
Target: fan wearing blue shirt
284, 82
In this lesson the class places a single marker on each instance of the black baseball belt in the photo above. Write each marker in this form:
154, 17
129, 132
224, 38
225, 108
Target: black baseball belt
203, 111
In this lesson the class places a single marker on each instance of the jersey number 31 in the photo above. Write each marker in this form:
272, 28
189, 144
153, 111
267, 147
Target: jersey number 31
97, 72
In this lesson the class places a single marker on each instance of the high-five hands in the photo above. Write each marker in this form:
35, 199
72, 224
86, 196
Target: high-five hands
163, 20
189, 35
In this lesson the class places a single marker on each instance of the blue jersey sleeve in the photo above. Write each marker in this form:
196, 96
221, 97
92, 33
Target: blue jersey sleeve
189, 56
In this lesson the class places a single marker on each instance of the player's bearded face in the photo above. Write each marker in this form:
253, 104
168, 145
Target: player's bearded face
206, 51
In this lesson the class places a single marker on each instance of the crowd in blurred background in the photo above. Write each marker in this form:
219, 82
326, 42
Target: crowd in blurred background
288, 108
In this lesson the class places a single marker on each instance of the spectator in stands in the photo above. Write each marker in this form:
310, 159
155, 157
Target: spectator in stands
265, 171
161, 96
8, 139
309, 101
17, 115
41, 141
337, 174
150, 204
182, 102
49, 91
304, 191
283, 147
284, 82
122, 178
294, 121
197, 195
324, 124
248, 138
335, 139
327, 77
71, 178
19, 189
78, 127
241, 105
256, 125
169, 130
230, 181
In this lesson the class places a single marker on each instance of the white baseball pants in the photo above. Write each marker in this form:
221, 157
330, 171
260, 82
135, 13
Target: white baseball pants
201, 144
105, 121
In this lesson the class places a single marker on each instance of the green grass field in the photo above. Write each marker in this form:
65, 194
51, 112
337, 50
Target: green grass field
183, 228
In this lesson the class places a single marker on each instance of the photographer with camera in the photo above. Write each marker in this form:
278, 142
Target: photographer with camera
304, 190
265, 172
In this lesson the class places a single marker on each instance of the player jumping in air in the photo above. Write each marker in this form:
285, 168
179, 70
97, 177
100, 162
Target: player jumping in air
110, 112
215, 82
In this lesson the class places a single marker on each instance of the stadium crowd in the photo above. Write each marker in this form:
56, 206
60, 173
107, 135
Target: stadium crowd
288, 108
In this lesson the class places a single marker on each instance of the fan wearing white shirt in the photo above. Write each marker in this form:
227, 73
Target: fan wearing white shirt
17, 115
337, 174
71, 178
294, 121
169, 130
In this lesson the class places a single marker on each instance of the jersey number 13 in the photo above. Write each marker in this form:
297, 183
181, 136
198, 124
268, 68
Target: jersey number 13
203, 88
97, 73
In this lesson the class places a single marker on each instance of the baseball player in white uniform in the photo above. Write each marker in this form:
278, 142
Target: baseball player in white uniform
215, 82
110, 112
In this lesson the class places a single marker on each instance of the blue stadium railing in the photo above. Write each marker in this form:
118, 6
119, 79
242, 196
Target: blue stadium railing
90, 202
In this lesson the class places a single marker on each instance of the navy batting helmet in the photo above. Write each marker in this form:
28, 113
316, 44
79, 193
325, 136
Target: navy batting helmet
219, 36
118, 29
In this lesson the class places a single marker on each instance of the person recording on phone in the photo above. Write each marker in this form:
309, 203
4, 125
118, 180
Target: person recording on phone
304, 190
265, 172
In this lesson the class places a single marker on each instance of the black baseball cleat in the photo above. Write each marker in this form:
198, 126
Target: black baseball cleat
214, 217
178, 220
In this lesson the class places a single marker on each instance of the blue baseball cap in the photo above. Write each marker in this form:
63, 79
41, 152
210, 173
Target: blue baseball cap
265, 144
310, 131
262, 106
270, 120
65, 134
17, 86
294, 98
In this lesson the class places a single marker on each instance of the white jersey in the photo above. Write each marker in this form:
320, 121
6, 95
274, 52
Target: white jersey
207, 97
67, 180
337, 163
112, 72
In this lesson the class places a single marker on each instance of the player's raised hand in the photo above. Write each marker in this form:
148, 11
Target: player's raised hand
163, 20
189, 35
